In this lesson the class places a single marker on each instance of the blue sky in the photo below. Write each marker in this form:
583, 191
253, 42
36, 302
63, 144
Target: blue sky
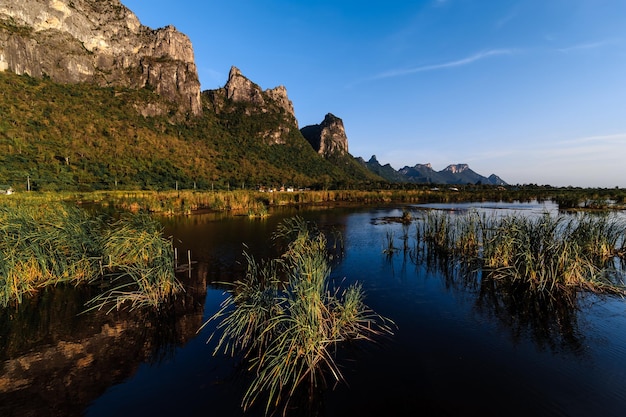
531, 90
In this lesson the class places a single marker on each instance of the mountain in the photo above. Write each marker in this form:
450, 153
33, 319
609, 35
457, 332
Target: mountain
327, 138
425, 174
384, 171
101, 43
93, 99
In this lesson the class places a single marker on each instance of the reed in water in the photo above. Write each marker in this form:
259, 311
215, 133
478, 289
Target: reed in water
286, 319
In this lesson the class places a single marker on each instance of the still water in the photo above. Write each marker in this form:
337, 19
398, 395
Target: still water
457, 350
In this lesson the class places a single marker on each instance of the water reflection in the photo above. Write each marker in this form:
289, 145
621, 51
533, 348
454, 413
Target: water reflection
551, 322
460, 335
56, 360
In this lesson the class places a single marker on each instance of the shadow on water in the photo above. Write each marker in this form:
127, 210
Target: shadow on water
550, 321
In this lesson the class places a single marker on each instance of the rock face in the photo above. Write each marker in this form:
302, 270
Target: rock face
100, 42
241, 94
239, 89
328, 138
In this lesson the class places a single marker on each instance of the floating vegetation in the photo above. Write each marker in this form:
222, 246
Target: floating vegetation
54, 243
286, 319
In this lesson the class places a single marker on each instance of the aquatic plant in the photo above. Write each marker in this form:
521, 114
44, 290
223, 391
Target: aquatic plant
54, 243
43, 245
286, 319
543, 254
141, 264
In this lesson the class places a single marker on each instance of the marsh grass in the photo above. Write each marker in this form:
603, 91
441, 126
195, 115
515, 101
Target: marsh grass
43, 245
544, 254
140, 264
52, 243
286, 319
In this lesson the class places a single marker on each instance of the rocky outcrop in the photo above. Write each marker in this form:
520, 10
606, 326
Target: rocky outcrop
100, 42
452, 174
239, 94
240, 89
328, 138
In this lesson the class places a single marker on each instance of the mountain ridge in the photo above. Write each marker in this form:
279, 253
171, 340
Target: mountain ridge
425, 174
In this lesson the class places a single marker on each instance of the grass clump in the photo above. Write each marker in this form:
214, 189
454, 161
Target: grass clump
141, 264
45, 245
544, 254
54, 243
286, 319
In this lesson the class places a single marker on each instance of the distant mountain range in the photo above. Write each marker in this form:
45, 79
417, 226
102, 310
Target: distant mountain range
425, 174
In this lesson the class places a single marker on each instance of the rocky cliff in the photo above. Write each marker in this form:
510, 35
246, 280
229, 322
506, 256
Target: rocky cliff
100, 42
328, 138
239, 94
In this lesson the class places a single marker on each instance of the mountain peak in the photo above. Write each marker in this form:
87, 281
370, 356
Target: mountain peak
327, 138
241, 90
457, 168
98, 42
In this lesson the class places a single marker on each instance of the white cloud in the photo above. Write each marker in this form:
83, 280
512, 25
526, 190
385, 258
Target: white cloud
588, 45
451, 64
507, 18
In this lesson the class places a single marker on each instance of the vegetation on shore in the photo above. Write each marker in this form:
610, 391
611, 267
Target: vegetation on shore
80, 137
54, 243
256, 203
286, 319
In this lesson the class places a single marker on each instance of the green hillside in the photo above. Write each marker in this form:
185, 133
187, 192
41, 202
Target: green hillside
81, 137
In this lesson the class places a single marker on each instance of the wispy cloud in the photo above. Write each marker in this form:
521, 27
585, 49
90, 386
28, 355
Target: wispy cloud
451, 64
617, 138
588, 45
507, 18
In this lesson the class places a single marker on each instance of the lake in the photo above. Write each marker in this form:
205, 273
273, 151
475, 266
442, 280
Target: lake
457, 351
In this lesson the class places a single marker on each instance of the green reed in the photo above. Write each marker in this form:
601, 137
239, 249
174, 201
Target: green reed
286, 319
50, 243
141, 264
545, 253
42, 245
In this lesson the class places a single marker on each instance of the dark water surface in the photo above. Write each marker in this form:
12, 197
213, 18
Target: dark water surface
459, 350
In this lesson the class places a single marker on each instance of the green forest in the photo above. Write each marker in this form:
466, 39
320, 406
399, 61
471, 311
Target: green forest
82, 137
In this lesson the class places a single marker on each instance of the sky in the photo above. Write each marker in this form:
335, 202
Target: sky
531, 90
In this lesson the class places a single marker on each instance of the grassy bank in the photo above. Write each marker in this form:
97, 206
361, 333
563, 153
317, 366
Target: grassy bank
46, 243
256, 203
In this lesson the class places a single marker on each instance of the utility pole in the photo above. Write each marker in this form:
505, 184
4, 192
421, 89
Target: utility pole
28, 183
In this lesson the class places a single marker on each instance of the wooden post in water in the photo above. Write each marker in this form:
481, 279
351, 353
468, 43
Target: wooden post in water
189, 260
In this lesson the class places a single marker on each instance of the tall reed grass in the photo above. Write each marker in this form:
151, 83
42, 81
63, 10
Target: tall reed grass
140, 264
53, 243
544, 254
286, 319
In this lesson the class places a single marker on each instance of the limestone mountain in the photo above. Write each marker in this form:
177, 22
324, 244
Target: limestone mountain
385, 171
425, 174
327, 138
93, 99
239, 94
99, 42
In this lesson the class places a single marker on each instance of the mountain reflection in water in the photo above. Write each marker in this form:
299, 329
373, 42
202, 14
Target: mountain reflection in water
56, 358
